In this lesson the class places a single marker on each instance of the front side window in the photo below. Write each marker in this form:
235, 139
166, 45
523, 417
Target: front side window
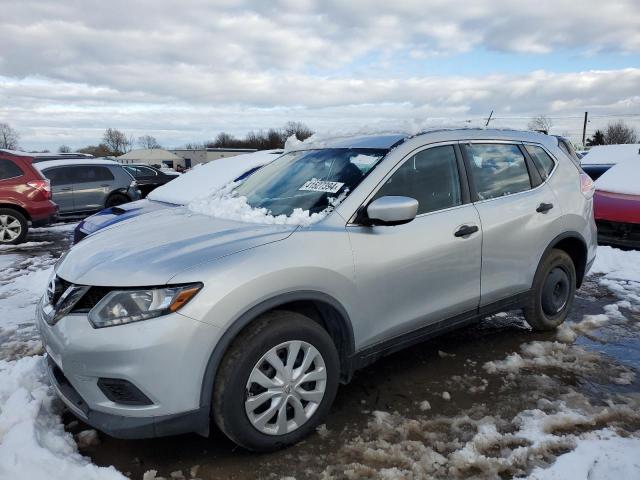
497, 169
430, 176
8, 169
544, 163
310, 180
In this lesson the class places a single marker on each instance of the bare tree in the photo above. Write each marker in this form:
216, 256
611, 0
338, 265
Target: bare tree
117, 142
97, 151
299, 129
8, 137
541, 123
619, 132
148, 142
64, 149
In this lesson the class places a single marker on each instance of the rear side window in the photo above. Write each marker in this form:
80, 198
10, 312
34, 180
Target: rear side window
91, 173
59, 176
544, 163
430, 176
497, 169
8, 169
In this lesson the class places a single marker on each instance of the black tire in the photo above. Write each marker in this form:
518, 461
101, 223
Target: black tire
230, 390
554, 288
10, 216
116, 199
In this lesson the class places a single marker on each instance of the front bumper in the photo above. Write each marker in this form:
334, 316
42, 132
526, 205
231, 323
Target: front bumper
165, 358
120, 426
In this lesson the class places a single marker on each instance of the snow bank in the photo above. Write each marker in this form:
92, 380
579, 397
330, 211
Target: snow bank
616, 264
600, 456
33, 443
621, 178
210, 177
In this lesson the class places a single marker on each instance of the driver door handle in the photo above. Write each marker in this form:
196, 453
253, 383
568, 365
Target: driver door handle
544, 207
465, 230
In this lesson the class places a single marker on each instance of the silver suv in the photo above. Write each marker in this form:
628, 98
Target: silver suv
159, 324
81, 186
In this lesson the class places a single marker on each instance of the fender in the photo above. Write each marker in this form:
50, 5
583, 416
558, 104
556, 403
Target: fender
247, 317
580, 268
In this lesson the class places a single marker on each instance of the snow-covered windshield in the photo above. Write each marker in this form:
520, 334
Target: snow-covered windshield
311, 180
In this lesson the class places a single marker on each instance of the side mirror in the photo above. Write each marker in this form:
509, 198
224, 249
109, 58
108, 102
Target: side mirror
392, 210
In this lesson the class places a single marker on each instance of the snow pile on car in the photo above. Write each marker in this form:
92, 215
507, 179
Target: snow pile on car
226, 204
622, 178
207, 178
612, 154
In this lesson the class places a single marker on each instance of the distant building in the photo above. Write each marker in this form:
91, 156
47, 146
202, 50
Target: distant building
184, 157
194, 156
152, 156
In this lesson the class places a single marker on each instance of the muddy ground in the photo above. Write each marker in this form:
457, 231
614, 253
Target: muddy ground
419, 410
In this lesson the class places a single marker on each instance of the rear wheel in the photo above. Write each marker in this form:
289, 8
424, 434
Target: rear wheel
116, 199
554, 289
13, 226
276, 382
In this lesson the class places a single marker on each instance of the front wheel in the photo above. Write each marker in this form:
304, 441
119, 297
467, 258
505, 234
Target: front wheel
554, 289
276, 382
116, 199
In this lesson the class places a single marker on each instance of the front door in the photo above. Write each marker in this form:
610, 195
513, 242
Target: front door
91, 187
413, 275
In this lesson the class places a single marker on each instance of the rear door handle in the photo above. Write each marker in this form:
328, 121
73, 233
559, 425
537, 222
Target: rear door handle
66, 189
544, 207
465, 230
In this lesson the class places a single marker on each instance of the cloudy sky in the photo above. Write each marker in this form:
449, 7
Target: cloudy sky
184, 71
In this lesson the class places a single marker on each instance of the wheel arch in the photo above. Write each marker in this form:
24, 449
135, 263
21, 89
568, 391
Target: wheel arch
318, 306
17, 208
575, 246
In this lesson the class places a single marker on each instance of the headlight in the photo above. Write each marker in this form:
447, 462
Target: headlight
127, 306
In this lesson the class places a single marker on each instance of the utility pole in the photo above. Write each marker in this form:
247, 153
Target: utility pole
489, 119
584, 129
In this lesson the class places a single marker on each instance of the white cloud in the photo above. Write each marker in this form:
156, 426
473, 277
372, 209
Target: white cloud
185, 70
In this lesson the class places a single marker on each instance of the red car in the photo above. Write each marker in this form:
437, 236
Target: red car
617, 205
25, 197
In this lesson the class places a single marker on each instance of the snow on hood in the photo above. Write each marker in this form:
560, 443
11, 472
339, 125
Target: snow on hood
209, 177
152, 248
621, 178
612, 154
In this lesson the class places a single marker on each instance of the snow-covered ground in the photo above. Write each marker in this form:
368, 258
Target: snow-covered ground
561, 433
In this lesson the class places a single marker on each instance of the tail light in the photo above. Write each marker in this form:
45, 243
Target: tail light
587, 187
43, 186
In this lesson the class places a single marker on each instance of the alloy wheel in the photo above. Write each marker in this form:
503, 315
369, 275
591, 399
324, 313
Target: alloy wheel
10, 228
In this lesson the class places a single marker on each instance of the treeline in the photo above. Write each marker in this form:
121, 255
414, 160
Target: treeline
262, 140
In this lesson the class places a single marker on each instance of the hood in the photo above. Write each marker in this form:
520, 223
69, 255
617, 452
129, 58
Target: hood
150, 249
112, 215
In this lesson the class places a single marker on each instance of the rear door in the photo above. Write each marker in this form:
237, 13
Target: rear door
413, 275
61, 187
517, 211
92, 185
